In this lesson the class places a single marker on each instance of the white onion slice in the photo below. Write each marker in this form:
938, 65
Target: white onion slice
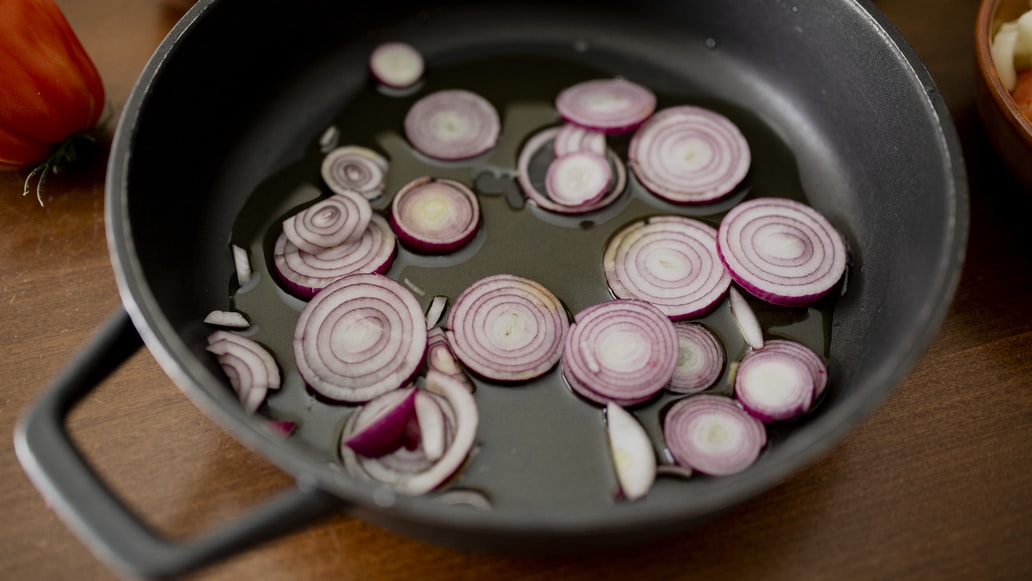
669, 261
713, 435
432, 426
435, 216
578, 178
353, 168
435, 310
228, 319
573, 138
689, 155
362, 336
242, 265
336, 220
781, 251
507, 328
700, 359
606, 105
746, 319
304, 274
622, 351
396, 64
537, 143
631, 451
773, 386
452, 125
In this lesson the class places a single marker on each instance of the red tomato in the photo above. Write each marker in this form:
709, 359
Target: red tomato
50, 89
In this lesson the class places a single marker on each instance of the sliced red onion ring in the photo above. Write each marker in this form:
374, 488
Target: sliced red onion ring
781, 251
507, 328
333, 221
242, 264
773, 386
452, 125
622, 351
814, 363
533, 147
441, 358
713, 435
435, 310
362, 336
353, 168
228, 319
606, 105
578, 179
631, 451
669, 261
435, 216
382, 431
746, 319
689, 155
250, 368
573, 138
700, 359
304, 274
396, 64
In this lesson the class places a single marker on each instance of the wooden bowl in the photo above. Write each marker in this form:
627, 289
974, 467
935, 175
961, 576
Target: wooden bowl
1008, 129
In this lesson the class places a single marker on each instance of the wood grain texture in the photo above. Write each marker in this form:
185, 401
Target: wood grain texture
937, 484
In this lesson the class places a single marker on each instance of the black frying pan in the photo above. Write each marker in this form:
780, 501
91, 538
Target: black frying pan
227, 116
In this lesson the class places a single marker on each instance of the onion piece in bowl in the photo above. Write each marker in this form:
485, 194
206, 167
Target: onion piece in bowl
700, 359
250, 368
441, 358
631, 451
712, 434
526, 162
669, 261
606, 105
382, 432
452, 125
396, 64
360, 337
781, 251
689, 155
507, 328
356, 169
435, 216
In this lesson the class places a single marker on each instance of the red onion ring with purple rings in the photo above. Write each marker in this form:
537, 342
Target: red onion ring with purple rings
330, 222
713, 435
689, 155
303, 274
435, 216
781, 251
745, 319
669, 261
381, 433
452, 125
360, 337
621, 351
606, 105
355, 168
814, 363
772, 385
523, 165
700, 359
507, 328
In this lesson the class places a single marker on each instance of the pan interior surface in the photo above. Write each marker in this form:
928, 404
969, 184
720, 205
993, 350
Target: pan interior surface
222, 142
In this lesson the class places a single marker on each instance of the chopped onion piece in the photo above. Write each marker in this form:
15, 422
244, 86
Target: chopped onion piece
538, 143
353, 168
572, 138
304, 274
440, 357
329, 139
669, 261
336, 220
431, 421
578, 178
606, 105
242, 264
746, 319
507, 328
632, 453
773, 386
250, 368
674, 470
362, 336
622, 351
435, 216
435, 310
229, 319
781, 251
689, 155
713, 435
382, 432
700, 359
396, 64
452, 125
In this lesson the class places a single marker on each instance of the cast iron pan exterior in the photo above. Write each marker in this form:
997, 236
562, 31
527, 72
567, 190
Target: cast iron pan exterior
241, 89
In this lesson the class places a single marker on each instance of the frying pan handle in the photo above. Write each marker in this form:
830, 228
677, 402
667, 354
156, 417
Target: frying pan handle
97, 516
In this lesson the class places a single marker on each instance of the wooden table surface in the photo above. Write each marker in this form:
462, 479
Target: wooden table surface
937, 484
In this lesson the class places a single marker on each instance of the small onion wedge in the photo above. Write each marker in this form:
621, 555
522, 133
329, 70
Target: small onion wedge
435, 216
382, 431
781, 251
362, 336
700, 359
712, 434
250, 368
441, 358
336, 220
578, 179
631, 451
507, 328
746, 319
606, 105
228, 319
452, 125
774, 386
432, 426
669, 261
396, 64
622, 351
353, 168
